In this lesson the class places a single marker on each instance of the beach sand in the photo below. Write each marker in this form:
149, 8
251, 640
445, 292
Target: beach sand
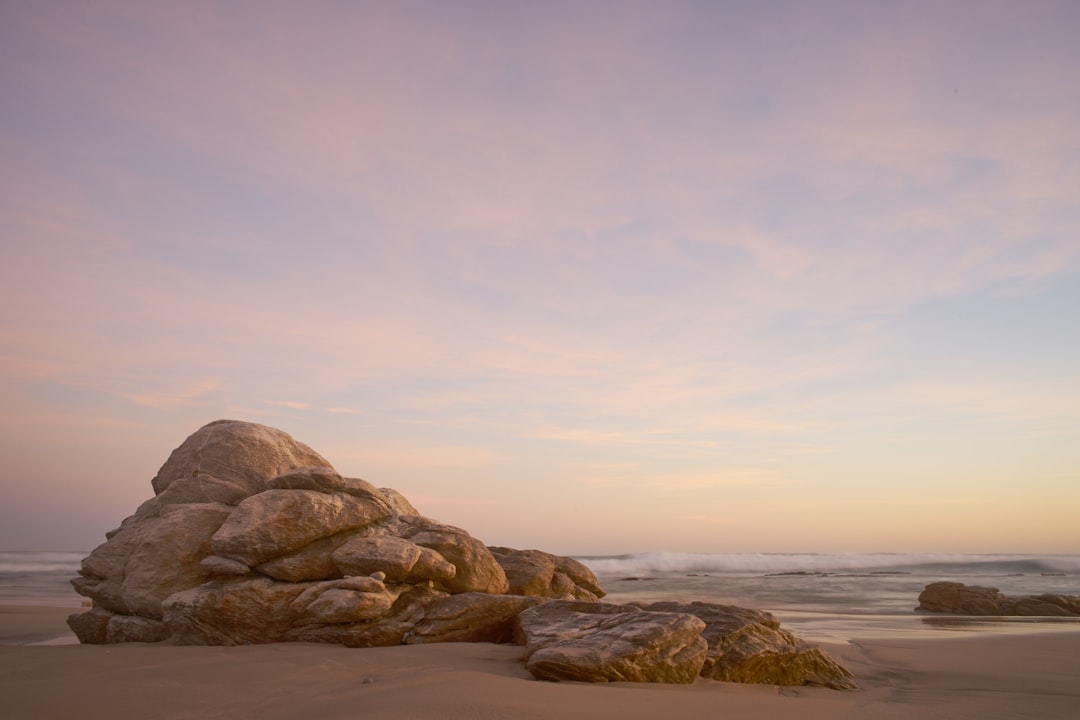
997, 676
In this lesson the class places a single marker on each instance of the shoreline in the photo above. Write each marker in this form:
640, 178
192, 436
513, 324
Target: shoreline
970, 675
27, 624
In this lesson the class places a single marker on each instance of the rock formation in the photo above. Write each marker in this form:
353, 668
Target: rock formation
957, 598
253, 537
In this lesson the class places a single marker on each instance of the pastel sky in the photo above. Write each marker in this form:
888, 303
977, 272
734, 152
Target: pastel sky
593, 277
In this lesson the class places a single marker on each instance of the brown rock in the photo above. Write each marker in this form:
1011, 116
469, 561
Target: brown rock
134, 628
401, 560
1048, 605
149, 559
216, 566
470, 617
227, 461
476, 568
391, 629
326, 480
953, 597
600, 642
534, 572
91, 627
749, 646
247, 520
245, 611
349, 600
398, 503
957, 598
309, 563
276, 522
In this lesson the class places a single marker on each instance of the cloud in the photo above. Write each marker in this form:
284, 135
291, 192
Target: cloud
197, 394
552, 238
402, 456
292, 404
639, 478
588, 436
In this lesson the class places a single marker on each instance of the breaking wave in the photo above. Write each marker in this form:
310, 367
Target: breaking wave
659, 563
19, 563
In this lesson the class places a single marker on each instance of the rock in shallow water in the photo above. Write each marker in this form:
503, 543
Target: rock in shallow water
958, 598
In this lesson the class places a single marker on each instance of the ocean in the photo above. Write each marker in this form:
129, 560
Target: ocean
819, 597
837, 597
40, 578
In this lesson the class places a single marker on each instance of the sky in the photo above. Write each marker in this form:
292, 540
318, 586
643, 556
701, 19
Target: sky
591, 277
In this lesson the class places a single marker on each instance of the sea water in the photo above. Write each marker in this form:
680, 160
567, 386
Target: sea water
819, 597
40, 578
835, 597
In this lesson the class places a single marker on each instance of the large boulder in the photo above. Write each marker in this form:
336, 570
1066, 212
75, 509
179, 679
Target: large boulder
229, 460
245, 521
602, 642
958, 598
749, 646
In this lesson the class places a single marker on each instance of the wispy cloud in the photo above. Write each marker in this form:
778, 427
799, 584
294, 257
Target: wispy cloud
196, 394
292, 404
651, 480
552, 242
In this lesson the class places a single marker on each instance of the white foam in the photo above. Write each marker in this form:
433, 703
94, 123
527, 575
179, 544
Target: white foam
763, 563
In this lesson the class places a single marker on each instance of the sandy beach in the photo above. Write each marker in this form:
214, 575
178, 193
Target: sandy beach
999, 676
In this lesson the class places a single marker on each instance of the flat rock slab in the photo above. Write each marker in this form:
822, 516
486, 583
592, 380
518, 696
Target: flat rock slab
601, 642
